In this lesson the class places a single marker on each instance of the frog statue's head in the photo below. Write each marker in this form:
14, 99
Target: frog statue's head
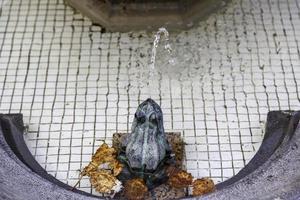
146, 149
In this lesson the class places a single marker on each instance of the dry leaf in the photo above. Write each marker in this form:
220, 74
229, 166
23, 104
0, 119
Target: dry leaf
116, 167
203, 186
180, 179
104, 154
103, 181
135, 189
92, 167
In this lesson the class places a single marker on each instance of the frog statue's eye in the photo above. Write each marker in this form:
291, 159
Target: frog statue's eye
140, 117
152, 118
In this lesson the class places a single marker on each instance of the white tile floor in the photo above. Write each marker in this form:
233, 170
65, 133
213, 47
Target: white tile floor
76, 84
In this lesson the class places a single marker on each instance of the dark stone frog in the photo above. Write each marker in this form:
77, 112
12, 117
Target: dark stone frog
145, 152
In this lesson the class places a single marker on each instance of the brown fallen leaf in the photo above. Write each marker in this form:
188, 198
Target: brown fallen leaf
91, 167
104, 154
116, 166
203, 186
103, 181
135, 189
103, 169
180, 179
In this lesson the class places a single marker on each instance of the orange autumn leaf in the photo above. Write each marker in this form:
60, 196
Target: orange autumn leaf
180, 179
116, 166
203, 186
103, 181
135, 189
103, 169
104, 154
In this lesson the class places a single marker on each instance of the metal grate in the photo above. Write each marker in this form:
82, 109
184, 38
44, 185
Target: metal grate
76, 84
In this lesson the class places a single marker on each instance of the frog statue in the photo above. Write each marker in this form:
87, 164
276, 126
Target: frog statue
145, 152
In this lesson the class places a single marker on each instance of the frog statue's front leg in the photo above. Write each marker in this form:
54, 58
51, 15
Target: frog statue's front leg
145, 152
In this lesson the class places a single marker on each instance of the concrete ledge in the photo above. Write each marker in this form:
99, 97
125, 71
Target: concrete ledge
147, 15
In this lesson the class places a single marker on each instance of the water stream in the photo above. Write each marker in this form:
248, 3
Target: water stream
152, 69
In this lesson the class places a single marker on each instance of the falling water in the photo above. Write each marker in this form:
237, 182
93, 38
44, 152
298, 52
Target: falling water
152, 70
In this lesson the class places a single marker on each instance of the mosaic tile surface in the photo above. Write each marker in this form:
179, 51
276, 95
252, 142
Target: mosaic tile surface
77, 84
